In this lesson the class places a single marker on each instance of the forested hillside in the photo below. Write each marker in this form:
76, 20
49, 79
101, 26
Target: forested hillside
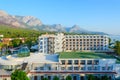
12, 32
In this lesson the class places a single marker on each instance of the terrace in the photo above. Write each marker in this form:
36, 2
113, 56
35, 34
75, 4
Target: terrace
87, 55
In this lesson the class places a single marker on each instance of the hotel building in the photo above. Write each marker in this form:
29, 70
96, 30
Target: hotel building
50, 43
58, 43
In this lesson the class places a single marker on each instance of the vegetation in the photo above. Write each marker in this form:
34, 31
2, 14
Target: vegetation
56, 78
84, 55
30, 37
92, 77
68, 77
11, 32
19, 75
105, 78
117, 47
15, 43
45, 79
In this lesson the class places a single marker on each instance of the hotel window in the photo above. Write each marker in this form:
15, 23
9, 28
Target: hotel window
66, 42
103, 68
109, 68
49, 68
41, 68
101, 39
89, 68
41, 38
69, 68
77, 42
82, 62
97, 36
41, 43
36, 68
94, 39
80, 42
80, 48
62, 68
82, 68
101, 36
69, 62
96, 62
76, 68
95, 68
76, 62
63, 62
89, 62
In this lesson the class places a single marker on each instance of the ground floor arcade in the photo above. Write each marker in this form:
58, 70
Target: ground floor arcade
62, 76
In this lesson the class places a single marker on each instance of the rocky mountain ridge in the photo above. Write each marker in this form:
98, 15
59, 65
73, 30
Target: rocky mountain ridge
31, 22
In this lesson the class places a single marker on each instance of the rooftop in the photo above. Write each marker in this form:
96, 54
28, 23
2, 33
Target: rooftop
33, 58
42, 58
4, 73
90, 55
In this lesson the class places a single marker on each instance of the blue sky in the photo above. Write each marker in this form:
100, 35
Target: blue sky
93, 15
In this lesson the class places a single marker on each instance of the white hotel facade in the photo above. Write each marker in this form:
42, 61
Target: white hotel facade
58, 43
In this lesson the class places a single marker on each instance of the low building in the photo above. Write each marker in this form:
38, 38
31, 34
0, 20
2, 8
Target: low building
85, 63
20, 51
76, 64
4, 75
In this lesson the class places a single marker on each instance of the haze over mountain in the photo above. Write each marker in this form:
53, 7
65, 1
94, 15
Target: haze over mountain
31, 22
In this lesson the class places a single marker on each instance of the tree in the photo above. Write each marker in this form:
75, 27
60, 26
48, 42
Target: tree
68, 77
19, 75
56, 78
91, 77
16, 42
1, 46
45, 79
105, 77
117, 47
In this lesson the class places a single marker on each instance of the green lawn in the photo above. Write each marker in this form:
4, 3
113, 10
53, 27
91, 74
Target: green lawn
84, 55
90, 55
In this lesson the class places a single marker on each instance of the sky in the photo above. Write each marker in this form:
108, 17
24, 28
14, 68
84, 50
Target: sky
92, 15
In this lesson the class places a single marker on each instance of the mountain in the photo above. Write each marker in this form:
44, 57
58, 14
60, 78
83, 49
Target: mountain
29, 20
34, 23
7, 19
18, 21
